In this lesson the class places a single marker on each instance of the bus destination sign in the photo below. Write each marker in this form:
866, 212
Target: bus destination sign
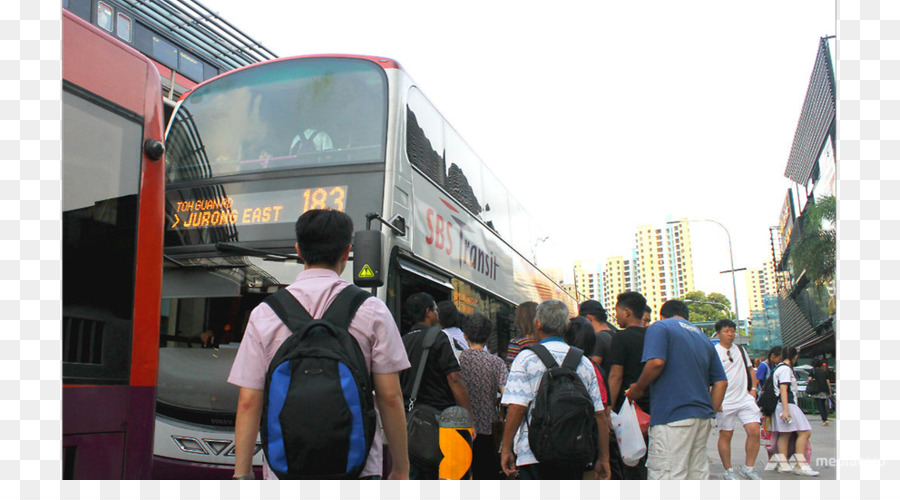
266, 207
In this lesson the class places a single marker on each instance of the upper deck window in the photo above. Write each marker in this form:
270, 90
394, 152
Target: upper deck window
123, 27
292, 113
104, 16
190, 67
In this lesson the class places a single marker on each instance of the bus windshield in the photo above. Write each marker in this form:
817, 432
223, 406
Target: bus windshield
295, 113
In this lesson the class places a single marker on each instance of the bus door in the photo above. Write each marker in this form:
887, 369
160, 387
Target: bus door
408, 278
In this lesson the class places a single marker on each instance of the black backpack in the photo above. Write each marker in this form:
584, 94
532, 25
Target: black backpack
318, 418
563, 429
768, 398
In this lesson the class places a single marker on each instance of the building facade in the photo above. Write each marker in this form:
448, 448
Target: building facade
806, 309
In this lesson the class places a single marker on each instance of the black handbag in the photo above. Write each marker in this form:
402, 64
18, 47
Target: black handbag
422, 430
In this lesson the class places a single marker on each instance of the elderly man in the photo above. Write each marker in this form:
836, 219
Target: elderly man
551, 321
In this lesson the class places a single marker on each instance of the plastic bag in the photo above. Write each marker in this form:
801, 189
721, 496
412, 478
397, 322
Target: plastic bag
628, 434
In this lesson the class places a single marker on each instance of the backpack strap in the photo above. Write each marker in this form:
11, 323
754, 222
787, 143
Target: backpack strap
544, 354
427, 342
746, 368
573, 359
345, 305
289, 310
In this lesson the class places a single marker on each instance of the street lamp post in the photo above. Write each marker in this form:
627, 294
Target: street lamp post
733, 270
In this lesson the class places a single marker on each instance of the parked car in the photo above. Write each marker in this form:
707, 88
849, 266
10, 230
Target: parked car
802, 372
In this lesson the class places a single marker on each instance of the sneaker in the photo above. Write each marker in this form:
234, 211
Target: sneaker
825, 423
731, 475
749, 473
805, 470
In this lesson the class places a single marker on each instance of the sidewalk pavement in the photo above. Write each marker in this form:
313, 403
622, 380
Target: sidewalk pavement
823, 458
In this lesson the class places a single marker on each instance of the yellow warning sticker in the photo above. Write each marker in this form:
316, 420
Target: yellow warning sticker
366, 272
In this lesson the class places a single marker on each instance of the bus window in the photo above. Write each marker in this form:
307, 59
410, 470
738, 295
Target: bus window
197, 349
104, 16
425, 137
289, 114
123, 27
463, 173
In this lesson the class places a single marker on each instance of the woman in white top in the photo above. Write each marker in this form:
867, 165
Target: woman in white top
789, 418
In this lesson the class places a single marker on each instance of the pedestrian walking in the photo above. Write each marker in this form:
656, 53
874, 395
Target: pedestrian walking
595, 313
517, 457
680, 366
441, 384
789, 419
626, 353
485, 377
739, 404
818, 387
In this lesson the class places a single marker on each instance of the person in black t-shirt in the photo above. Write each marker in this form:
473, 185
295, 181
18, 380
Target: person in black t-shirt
442, 384
625, 352
594, 312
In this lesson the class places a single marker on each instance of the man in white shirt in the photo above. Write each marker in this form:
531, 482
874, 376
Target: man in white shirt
739, 403
551, 321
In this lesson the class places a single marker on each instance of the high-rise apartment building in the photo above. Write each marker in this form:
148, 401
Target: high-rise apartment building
760, 282
660, 268
588, 280
664, 266
618, 276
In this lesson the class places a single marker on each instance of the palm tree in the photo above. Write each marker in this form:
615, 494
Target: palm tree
814, 250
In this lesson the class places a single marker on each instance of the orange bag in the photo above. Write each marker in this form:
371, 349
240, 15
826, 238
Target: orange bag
643, 419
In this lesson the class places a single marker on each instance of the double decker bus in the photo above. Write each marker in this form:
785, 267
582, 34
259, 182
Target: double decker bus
112, 222
114, 106
247, 153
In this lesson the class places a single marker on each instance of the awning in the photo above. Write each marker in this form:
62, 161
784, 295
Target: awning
818, 345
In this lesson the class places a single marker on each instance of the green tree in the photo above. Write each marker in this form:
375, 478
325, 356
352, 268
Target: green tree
707, 312
813, 250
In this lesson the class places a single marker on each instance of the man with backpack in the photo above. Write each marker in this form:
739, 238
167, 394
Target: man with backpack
556, 427
317, 413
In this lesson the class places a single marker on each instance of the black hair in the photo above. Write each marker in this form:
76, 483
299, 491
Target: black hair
674, 308
477, 328
448, 316
323, 236
593, 308
647, 309
581, 334
788, 353
417, 305
722, 323
774, 351
633, 301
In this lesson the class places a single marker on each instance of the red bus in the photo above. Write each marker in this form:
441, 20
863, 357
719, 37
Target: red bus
113, 213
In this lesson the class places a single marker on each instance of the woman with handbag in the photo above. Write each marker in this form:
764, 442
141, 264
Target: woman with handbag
819, 388
485, 377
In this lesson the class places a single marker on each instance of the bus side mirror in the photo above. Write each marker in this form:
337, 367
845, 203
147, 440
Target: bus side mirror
367, 260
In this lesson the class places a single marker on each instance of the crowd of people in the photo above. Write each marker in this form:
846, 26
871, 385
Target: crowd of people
669, 370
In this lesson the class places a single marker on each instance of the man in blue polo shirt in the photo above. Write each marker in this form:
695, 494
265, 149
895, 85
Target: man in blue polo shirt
681, 366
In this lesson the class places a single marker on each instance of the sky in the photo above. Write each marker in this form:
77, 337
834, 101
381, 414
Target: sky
599, 117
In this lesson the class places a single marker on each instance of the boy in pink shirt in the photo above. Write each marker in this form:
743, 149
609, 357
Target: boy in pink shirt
324, 238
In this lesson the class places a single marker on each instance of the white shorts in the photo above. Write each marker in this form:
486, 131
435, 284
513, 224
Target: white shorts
747, 413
